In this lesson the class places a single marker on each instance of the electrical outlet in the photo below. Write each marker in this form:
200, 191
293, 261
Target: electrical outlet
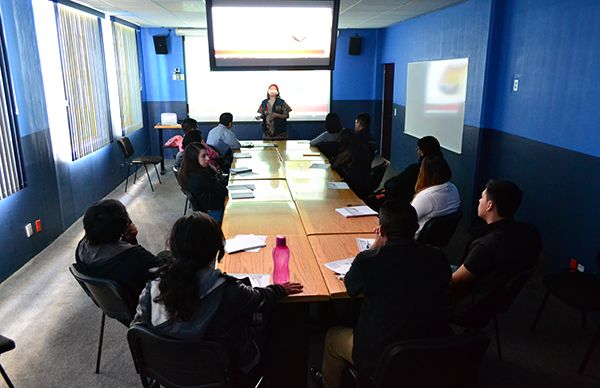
29, 230
38, 226
516, 85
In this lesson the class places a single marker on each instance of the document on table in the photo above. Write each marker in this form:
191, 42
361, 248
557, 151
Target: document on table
241, 194
364, 243
243, 242
356, 211
242, 155
239, 170
256, 279
266, 145
241, 186
322, 166
341, 267
338, 185
254, 250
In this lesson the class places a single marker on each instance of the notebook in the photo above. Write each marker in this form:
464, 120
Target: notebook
356, 211
243, 242
337, 185
241, 194
239, 170
341, 267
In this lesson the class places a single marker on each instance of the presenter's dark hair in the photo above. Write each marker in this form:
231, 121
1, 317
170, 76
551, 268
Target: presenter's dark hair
105, 222
505, 195
189, 124
333, 123
398, 219
364, 119
190, 164
434, 171
195, 242
226, 118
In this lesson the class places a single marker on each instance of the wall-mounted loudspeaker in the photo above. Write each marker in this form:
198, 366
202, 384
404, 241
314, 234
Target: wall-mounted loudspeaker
160, 44
355, 45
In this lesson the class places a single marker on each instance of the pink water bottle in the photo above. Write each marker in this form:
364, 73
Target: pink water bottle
281, 260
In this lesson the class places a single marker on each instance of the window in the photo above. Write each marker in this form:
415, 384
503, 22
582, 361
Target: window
11, 170
128, 77
84, 74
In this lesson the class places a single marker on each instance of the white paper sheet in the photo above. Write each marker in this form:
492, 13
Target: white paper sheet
241, 187
242, 155
322, 166
256, 279
241, 194
243, 242
356, 211
255, 250
338, 185
341, 267
364, 243
239, 170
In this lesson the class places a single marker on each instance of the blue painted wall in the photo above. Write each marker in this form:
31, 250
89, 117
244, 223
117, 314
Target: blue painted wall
57, 194
545, 136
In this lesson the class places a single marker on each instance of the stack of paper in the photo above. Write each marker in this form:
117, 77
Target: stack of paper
356, 211
239, 170
246, 145
364, 243
242, 155
241, 186
322, 166
337, 185
256, 279
241, 194
341, 267
245, 242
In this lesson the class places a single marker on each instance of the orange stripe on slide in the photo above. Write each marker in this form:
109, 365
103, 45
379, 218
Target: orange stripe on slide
254, 52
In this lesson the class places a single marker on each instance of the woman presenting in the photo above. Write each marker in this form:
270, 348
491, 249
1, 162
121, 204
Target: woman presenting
274, 112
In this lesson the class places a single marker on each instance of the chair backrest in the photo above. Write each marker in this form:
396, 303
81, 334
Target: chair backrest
439, 230
377, 174
106, 294
329, 148
435, 362
506, 295
195, 205
125, 146
178, 363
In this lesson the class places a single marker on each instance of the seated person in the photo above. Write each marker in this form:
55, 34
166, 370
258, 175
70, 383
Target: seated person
110, 249
435, 195
405, 296
361, 126
333, 126
201, 182
353, 163
193, 135
221, 137
402, 186
502, 249
192, 300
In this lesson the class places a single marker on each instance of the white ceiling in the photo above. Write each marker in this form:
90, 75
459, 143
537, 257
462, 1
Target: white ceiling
191, 13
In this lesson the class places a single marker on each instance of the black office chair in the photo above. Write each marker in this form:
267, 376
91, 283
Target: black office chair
329, 148
108, 296
128, 151
377, 174
6, 344
448, 362
579, 290
178, 363
190, 200
496, 304
439, 230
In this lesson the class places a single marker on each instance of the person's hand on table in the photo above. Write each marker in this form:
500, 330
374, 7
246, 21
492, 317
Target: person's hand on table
292, 288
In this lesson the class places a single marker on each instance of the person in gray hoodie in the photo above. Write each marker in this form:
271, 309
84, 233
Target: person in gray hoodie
193, 300
110, 249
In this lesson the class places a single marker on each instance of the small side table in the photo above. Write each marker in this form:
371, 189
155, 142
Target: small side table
160, 129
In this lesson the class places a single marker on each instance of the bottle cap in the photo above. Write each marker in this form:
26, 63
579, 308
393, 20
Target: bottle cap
280, 241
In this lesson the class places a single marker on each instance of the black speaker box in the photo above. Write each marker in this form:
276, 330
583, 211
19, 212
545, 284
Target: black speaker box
355, 45
160, 44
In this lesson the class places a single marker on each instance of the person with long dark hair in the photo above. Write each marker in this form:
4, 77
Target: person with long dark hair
201, 181
192, 300
333, 127
274, 111
435, 195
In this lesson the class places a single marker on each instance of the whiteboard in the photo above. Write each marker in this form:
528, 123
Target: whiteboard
435, 101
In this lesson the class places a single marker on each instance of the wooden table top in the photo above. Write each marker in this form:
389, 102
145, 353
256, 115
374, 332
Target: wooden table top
260, 169
320, 217
260, 154
260, 217
304, 268
265, 190
316, 189
331, 247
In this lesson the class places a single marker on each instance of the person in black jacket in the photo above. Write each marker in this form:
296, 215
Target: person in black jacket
200, 180
353, 163
361, 126
110, 249
192, 300
404, 286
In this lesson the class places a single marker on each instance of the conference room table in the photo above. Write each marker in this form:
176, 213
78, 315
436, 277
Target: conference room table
292, 198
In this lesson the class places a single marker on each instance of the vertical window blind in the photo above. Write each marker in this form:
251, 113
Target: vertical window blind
128, 78
84, 74
11, 171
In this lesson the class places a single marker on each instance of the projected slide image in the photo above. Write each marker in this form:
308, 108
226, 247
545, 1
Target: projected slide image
446, 86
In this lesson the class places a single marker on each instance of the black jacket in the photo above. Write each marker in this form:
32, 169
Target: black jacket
208, 192
402, 186
405, 296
